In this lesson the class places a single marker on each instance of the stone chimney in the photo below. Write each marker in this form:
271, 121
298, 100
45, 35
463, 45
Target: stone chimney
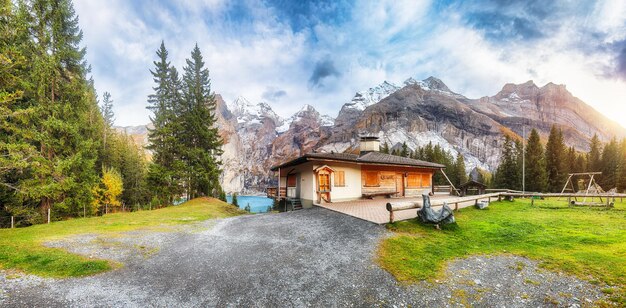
369, 144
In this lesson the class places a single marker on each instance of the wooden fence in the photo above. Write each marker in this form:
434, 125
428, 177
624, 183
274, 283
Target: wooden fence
407, 205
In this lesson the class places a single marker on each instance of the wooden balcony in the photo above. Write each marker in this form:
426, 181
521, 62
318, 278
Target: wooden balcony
271, 192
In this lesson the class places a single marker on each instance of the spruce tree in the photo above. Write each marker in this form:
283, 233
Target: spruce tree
595, 151
555, 160
165, 173
404, 152
621, 183
535, 164
610, 165
508, 173
201, 139
66, 118
459, 169
385, 148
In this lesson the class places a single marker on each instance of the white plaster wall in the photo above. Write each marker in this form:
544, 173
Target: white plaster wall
352, 189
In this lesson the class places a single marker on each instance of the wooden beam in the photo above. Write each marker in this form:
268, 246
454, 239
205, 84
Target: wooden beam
452, 185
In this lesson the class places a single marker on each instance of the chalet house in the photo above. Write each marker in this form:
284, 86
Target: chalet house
333, 177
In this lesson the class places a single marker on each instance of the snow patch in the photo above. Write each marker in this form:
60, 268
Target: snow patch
371, 96
398, 135
337, 147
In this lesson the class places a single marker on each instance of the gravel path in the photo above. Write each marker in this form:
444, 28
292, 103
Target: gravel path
311, 257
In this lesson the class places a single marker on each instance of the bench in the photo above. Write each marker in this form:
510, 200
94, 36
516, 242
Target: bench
371, 195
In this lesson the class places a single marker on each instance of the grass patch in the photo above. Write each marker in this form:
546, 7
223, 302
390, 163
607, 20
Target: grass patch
587, 242
22, 249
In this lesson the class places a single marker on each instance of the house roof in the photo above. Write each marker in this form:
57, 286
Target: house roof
371, 158
472, 183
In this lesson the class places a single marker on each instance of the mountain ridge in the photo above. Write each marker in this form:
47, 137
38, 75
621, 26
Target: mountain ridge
417, 112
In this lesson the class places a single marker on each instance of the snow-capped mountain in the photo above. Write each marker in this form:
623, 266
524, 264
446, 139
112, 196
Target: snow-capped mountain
415, 113
250, 113
306, 112
371, 96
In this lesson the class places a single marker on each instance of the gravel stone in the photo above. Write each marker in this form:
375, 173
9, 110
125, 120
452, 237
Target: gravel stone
312, 257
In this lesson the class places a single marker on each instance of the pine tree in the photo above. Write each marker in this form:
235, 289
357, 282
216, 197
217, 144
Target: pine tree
460, 175
555, 160
535, 164
404, 152
201, 139
621, 183
508, 173
66, 121
235, 202
595, 150
610, 165
385, 148
165, 173
107, 109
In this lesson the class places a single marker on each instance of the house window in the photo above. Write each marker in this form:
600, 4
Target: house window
414, 180
324, 182
340, 178
291, 181
371, 178
426, 180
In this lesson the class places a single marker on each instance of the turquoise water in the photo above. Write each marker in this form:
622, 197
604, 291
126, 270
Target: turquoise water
258, 204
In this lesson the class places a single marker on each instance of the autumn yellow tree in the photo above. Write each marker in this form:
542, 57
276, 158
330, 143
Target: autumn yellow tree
110, 189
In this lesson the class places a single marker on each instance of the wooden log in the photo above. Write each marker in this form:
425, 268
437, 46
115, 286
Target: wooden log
399, 206
12, 222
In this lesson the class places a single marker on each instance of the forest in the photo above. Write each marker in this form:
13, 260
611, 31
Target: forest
546, 166
59, 152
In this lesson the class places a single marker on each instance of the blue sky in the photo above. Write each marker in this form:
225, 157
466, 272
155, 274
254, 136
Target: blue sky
291, 53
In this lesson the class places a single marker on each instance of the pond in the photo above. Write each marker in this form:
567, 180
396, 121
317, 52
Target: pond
258, 204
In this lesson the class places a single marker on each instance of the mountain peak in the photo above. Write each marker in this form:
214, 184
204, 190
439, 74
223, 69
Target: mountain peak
436, 84
306, 108
246, 111
371, 96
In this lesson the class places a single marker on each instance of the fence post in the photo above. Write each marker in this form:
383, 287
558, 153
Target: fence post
48, 215
12, 222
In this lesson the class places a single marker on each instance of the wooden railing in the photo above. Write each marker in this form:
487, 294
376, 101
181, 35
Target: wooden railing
442, 189
407, 205
271, 192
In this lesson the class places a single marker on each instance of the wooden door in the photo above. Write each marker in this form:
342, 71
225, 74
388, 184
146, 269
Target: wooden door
400, 184
324, 183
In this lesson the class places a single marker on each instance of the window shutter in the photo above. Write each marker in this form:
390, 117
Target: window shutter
371, 178
340, 178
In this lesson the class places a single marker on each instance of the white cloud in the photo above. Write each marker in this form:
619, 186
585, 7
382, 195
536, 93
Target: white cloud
382, 40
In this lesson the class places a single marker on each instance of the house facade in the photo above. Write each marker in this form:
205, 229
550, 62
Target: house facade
334, 177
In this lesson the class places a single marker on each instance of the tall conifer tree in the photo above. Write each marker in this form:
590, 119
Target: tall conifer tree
535, 164
66, 118
165, 173
201, 139
555, 160
595, 151
508, 174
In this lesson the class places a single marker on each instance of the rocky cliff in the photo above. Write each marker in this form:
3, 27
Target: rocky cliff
416, 112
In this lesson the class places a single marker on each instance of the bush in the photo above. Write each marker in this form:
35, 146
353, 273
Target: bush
235, 200
247, 208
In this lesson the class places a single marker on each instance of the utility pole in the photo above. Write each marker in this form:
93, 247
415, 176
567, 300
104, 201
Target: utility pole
523, 159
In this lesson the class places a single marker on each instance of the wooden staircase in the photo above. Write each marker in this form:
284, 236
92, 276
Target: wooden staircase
295, 203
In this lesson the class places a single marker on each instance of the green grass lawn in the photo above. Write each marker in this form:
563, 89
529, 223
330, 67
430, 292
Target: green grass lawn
587, 242
22, 248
